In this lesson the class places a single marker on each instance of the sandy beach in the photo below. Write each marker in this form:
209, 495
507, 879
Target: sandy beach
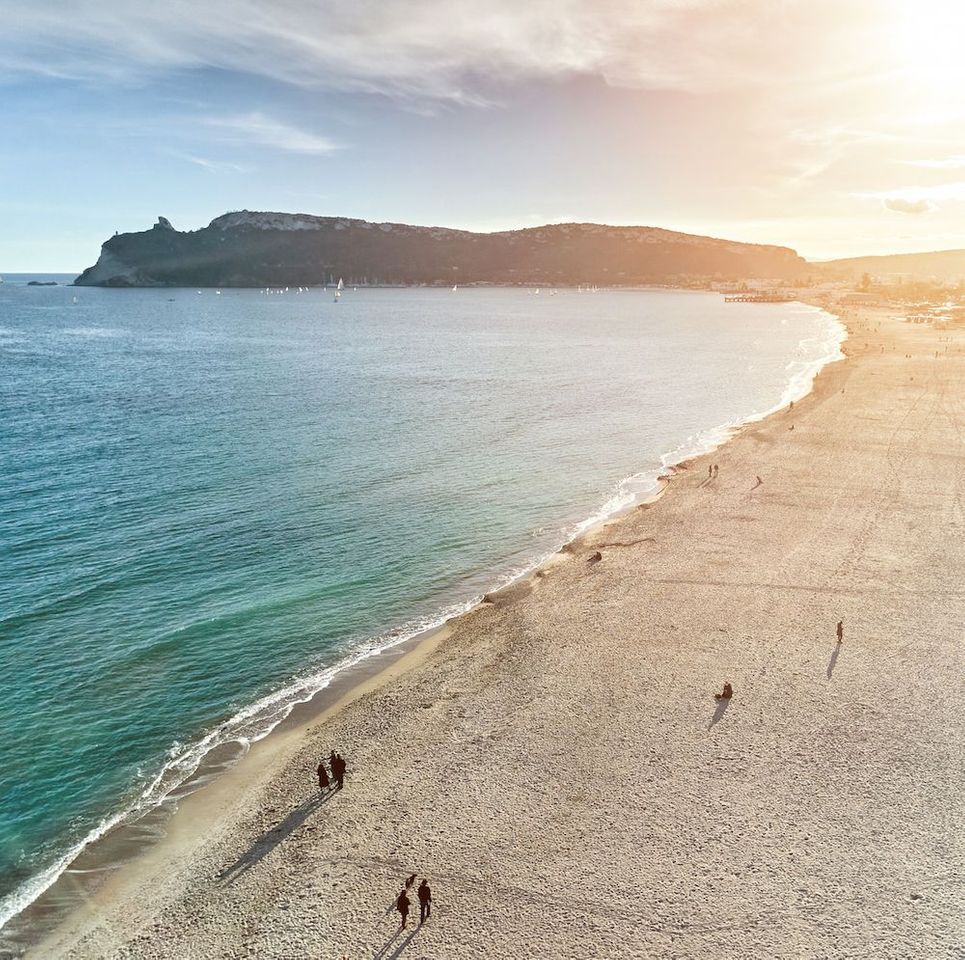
555, 761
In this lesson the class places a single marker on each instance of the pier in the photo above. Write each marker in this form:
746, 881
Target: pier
760, 298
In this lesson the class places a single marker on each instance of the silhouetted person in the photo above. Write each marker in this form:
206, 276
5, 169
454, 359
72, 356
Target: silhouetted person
425, 901
726, 694
323, 782
716, 470
338, 771
410, 881
402, 905
710, 470
840, 631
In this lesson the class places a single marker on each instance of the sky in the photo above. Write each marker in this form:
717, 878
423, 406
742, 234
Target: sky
836, 128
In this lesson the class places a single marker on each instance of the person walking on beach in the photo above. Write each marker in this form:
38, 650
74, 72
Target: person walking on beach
402, 905
425, 901
716, 469
710, 470
840, 631
338, 771
323, 782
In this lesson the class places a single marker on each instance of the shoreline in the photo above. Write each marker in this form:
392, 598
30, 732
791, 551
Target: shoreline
130, 838
814, 815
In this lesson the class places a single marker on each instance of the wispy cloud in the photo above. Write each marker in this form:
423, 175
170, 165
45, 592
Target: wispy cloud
908, 206
449, 49
912, 195
212, 166
262, 130
946, 163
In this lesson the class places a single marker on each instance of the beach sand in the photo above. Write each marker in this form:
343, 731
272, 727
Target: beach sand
556, 763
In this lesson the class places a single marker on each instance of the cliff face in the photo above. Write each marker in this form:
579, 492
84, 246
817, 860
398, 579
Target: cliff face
277, 249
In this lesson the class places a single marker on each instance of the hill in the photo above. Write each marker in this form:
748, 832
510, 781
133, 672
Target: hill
942, 265
247, 249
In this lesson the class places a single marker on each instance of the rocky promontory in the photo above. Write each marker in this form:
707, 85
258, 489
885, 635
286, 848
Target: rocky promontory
247, 249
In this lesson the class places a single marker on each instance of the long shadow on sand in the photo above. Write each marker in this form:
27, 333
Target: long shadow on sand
719, 711
270, 839
834, 659
383, 952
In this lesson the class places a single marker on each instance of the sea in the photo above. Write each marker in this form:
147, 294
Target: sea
212, 502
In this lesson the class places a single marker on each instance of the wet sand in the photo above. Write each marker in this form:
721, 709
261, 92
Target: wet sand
557, 765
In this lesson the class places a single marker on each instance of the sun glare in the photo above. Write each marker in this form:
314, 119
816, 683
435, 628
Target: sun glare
928, 37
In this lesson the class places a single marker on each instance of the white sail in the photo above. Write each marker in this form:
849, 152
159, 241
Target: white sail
341, 286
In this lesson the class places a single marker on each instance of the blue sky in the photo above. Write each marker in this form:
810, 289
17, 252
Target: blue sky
780, 122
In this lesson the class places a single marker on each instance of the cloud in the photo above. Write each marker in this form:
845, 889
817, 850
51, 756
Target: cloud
212, 166
908, 206
946, 163
909, 199
257, 128
449, 49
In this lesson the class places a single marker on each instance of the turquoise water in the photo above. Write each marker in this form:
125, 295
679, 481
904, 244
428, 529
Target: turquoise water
210, 502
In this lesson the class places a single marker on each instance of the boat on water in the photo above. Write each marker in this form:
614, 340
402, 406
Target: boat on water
341, 285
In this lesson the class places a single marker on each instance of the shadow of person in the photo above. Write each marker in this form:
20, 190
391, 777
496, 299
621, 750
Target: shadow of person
383, 952
719, 711
834, 659
384, 949
270, 839
398, 950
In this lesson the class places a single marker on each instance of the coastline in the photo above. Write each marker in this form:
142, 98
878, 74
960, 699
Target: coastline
492, 632
89, 869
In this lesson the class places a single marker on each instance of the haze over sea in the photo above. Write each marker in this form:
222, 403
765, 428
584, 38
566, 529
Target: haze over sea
211, 502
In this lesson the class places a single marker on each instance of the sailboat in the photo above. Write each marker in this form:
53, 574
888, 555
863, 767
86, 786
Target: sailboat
341, 286
454, 289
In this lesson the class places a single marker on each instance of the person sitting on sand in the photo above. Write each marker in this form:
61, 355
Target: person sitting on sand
425, 901
323, 782
726, 694
402, 905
